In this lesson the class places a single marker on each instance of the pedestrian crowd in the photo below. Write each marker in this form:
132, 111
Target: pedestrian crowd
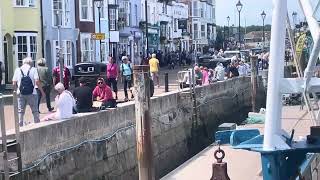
34, 83
204, 75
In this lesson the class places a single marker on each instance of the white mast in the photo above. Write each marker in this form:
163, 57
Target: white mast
273, 133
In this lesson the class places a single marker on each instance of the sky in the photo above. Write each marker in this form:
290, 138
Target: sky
250, 13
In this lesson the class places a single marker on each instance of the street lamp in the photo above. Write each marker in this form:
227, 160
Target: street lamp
294, 18
263, 15
239, 8
99, 4
60, 53
146, 14
228, 19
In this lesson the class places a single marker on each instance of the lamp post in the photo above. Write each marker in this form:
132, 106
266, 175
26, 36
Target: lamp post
228, 19
263, 15
146, 14
99, 4
59, 53
294, 21
239, 8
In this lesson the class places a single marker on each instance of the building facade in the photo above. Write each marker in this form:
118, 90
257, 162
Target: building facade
1, 48
180, 37
21, 37
163, 25
59, 21
202, 24
130, 33
86, 25
113, 16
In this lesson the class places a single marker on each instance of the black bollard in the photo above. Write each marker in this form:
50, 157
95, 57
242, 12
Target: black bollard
166, 82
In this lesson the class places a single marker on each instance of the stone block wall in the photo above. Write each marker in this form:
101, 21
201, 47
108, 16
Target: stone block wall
101, 146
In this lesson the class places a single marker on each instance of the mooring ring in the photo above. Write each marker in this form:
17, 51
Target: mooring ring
219, 151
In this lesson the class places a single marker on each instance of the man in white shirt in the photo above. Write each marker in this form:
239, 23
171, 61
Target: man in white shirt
243, 69
64, 102
29, 93
219, 72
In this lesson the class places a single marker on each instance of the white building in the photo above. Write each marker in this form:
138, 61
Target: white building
203, 22
163, 19
179, 40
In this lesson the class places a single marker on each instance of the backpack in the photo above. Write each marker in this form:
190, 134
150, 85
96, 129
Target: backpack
26, 84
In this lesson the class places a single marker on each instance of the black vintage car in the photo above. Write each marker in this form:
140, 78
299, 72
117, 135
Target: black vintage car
211, 62
91, 71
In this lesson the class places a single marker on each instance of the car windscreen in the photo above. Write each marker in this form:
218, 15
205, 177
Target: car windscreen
230, 55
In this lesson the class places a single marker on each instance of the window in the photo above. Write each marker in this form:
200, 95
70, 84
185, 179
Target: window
163, 30
66, 48
203, 31
25, 3
61, 13
195, 31
164, 8
86, 10
125, 13
112, 19
102, 10
136, 15
67, 53
202, 9
87, 48
195, 8
26, 46
175, 25
214, 13
103, 51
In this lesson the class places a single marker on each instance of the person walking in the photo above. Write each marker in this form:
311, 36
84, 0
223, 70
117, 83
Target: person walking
66, 76
112, 75
154, 68
126, 72
45, 78
24, 81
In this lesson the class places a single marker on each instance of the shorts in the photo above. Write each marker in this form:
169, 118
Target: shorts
154, 74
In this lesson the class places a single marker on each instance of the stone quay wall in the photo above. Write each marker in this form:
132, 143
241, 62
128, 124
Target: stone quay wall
102, 145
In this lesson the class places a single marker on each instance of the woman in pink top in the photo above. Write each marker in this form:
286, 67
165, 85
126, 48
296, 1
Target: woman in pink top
102, 93
112, 75
205, 76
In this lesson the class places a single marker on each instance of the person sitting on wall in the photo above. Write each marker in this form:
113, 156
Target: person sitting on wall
64, 104
198, 75
83, 96
102, 93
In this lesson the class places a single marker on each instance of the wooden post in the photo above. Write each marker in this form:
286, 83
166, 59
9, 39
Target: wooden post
253, 81
17, 130
4, 140
143, 122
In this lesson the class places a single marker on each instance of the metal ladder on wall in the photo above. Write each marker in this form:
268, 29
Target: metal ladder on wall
10, 149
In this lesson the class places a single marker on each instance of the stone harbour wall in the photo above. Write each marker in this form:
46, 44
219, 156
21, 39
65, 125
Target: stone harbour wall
102, 145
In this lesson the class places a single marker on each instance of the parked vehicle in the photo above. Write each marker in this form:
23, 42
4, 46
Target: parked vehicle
211, 62
91, 71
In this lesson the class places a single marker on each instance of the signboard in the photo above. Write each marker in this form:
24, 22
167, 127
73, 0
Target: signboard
98, 36
182, 24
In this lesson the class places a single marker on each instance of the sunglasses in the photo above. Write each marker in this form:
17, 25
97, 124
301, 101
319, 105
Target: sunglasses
100, 82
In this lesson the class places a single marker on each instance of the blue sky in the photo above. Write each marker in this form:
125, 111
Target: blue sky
250, 12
